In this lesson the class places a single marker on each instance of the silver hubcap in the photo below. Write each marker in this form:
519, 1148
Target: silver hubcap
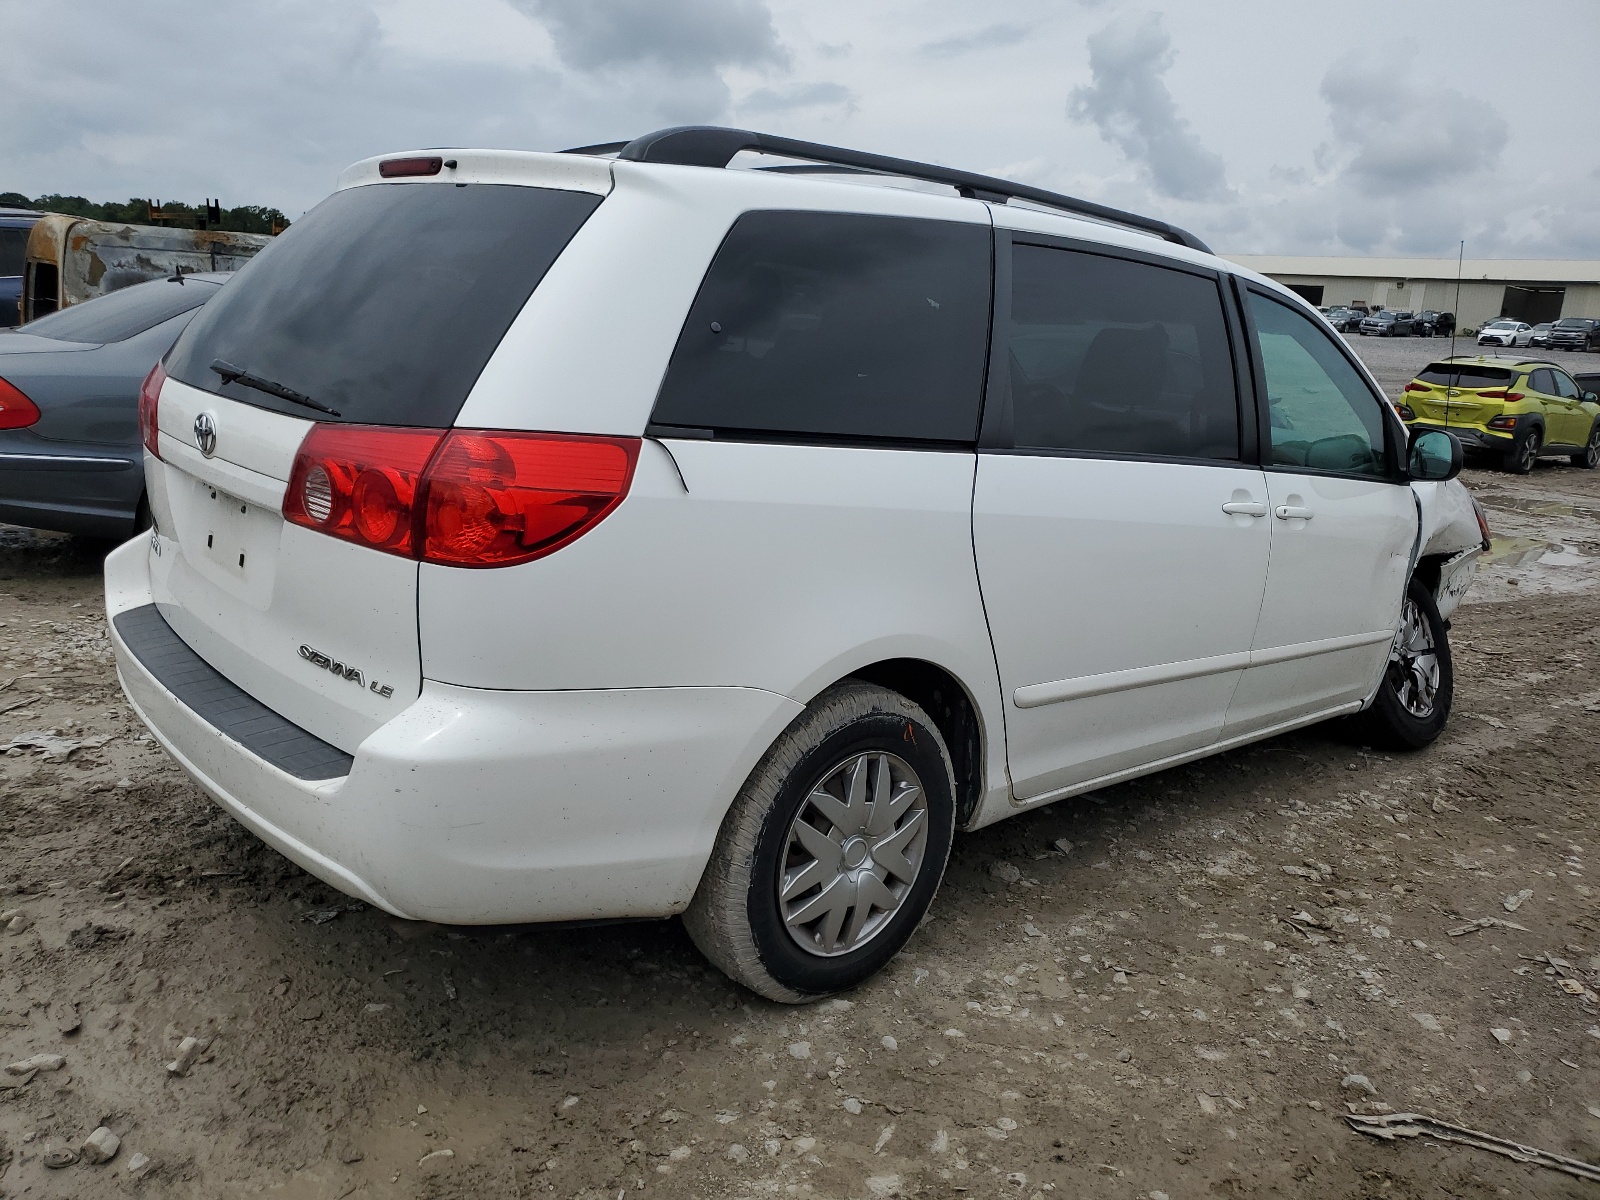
852, 853
1414, 662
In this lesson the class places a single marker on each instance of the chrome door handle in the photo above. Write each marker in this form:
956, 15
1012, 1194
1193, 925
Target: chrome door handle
1245, 508
1288, 512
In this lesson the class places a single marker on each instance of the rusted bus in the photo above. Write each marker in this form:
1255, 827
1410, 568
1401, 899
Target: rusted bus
73, 259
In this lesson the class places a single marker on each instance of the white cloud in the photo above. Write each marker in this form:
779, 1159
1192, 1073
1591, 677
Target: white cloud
1129, 103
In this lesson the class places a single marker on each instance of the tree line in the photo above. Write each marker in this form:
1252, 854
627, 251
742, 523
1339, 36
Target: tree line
247, 218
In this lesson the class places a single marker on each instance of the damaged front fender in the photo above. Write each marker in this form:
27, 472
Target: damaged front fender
1451, 537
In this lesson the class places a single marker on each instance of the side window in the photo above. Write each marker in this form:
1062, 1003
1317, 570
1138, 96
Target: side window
1323, 414
1121, 357
1565, 388
1542, 382
837, 325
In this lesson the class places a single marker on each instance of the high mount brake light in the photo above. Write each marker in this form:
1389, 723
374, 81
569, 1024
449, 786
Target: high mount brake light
400, 168
16, 410
149, 409
466, 498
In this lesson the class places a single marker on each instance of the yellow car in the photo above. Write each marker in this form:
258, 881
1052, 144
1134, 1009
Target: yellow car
1519, 409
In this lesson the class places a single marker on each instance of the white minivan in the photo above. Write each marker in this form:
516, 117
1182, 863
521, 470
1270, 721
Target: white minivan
714, 524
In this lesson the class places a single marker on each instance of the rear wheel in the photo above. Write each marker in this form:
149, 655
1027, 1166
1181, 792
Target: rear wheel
1589, 457
833, 850
1524, 452
1413, 701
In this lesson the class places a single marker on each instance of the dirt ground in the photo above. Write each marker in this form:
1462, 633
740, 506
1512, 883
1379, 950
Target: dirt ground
1161, 990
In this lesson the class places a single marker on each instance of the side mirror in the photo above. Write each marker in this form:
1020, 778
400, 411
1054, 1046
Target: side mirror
1435, 456
1591, 398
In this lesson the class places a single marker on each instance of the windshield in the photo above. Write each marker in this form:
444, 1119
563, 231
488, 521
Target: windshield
1502, 325
123, 314
385, 301
1573, 323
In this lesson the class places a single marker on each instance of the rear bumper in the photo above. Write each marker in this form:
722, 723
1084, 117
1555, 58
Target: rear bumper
475, 806
1470, 439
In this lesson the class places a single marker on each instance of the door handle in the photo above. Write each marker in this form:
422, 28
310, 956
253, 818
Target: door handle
1245, 508
1289, 512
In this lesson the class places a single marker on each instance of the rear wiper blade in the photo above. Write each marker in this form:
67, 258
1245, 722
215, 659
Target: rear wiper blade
233, 374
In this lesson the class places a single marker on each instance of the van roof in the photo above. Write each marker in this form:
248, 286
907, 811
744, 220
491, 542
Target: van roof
716, 147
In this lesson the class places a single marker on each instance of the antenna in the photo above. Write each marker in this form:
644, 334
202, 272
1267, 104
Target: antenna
1461, 255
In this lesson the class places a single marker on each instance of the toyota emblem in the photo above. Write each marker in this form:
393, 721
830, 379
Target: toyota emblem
205, 434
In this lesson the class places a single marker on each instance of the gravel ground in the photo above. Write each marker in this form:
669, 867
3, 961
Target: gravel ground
1172, 988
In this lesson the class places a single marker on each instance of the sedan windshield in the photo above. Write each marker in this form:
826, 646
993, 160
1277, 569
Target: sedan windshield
123, 314
1503, 325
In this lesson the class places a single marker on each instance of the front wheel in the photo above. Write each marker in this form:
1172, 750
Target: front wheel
1589, 457
1524, 453
833, 850
1413, 701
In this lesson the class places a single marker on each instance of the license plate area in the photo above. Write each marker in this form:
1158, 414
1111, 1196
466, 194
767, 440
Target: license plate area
230, 541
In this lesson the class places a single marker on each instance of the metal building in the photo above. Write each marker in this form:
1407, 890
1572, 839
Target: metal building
1530, 290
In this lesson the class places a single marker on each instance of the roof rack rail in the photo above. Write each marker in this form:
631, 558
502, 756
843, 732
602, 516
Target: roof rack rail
714, 146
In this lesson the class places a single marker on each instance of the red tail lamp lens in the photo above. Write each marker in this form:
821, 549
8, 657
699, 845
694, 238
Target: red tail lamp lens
494, 499
16, 410
358, 482
149, 409
462, 498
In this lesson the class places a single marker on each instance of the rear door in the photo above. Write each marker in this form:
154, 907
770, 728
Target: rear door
1343, 524
378, 308
1121, 533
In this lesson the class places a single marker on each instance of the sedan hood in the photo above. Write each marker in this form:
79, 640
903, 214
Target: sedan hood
17, 342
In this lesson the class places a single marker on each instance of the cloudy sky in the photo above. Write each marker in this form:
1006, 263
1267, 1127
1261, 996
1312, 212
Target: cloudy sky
1270, 126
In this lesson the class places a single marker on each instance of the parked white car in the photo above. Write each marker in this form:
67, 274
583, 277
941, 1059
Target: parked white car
624, 534
1505, 333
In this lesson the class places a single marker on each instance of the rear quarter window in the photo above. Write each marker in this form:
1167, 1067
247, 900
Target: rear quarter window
385, 301
836, 325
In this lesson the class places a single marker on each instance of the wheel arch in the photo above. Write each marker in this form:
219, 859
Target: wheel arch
952, 708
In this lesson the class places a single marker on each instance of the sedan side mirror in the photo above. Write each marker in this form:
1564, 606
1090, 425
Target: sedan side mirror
1435, 456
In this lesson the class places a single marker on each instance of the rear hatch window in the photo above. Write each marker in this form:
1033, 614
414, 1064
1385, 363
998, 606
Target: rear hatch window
1452, 375
384, 302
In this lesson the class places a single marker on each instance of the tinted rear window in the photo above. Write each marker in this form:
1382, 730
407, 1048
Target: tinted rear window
123, 314
12, 244
836, 325
383, 302
1451, 375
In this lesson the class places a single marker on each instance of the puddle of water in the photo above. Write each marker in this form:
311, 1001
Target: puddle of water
1514, 551
1562, 556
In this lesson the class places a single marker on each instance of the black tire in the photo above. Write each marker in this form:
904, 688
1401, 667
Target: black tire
1402, 716
1524, 452
736, 916
1589, 457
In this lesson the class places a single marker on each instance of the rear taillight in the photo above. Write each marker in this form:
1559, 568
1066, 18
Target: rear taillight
465, 498
16, 410
1500, 394
1501, 422
1416, 386
359, 483
149, 409
1406, 414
